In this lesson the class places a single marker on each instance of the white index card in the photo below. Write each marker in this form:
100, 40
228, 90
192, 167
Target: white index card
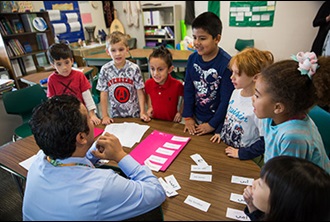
173, 182
199, 160
157, 159
236, 214
201, 177
238, 198
171, 145
169, 190
180, 138
197, 203
242, 180
197, 168
165, 151
152, 166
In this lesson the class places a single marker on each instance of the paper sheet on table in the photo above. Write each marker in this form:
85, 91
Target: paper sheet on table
27, 163
127, 133
54, 15
59, 28
75, 26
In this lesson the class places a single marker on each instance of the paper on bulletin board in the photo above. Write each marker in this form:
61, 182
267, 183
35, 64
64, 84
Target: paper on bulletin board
59, 28
71, 17
86, 18
54, 15
75, 26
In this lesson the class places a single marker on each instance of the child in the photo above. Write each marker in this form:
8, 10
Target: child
289, 189
120, 83
66, 80
241, 126
207, 85
163, 91
284, 93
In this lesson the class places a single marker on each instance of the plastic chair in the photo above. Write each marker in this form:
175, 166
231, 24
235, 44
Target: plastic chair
95, 93
22, 102
243, 43
321, 119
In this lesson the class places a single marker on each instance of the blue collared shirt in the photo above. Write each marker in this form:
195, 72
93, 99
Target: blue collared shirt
88, 193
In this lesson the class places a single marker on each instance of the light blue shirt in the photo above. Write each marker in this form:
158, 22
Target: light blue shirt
88, 193
299, 138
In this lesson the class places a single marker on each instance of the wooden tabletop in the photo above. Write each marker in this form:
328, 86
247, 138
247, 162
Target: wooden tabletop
217, 192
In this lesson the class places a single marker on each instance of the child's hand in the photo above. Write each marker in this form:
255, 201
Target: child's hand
216, 138
177, 117
204, 128
190, 126
231, 152
95, 119
247, 194
107, 120
150, 112
145, 117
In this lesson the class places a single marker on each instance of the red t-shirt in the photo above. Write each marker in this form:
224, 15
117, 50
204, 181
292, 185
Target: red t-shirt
164, 98
74, 84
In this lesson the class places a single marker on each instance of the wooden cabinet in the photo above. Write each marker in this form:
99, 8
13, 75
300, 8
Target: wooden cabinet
162, 24
23, 46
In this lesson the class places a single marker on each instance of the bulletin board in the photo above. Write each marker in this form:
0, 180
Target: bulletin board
66, 20
252, 13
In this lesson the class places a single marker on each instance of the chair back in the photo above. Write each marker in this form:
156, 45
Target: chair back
321, 119
95, 93
21, 102
243, 43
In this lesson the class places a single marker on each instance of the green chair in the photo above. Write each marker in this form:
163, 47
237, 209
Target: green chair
22, 102
95, 93
243, 43
321, 119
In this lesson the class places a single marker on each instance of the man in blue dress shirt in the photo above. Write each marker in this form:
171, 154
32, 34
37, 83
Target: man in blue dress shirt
63, 184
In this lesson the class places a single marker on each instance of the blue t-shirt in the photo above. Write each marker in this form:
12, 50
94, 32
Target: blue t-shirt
207, 89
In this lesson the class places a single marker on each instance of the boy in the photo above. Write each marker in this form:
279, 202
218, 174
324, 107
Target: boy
207, 85
120, 82
66, 80
164, 92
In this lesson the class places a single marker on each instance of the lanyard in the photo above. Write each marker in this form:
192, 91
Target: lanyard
59, 164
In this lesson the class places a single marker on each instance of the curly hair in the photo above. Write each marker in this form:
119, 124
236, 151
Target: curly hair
296, 91
163, 53
55, 124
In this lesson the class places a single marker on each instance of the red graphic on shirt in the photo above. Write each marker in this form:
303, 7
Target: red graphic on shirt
122, 94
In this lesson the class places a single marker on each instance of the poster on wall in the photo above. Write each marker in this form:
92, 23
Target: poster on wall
252, 13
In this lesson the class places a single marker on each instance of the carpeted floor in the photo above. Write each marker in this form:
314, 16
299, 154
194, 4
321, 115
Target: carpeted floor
10, 199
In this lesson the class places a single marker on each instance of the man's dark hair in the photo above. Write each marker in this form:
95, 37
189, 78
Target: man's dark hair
55, 124
59, 51
209, 22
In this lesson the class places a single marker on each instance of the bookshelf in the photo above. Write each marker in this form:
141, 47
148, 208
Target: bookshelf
161, 23
23, 47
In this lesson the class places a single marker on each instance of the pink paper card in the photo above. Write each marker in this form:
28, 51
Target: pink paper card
168, 146
97, 131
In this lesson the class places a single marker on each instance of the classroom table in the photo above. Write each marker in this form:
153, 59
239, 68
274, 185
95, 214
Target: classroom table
33, 79
180, 57
217, 192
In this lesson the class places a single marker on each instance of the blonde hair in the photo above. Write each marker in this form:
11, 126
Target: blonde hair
251, 61
116, 37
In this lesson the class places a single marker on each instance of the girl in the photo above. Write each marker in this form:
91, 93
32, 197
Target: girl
284, 93
289, 189
240, 129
